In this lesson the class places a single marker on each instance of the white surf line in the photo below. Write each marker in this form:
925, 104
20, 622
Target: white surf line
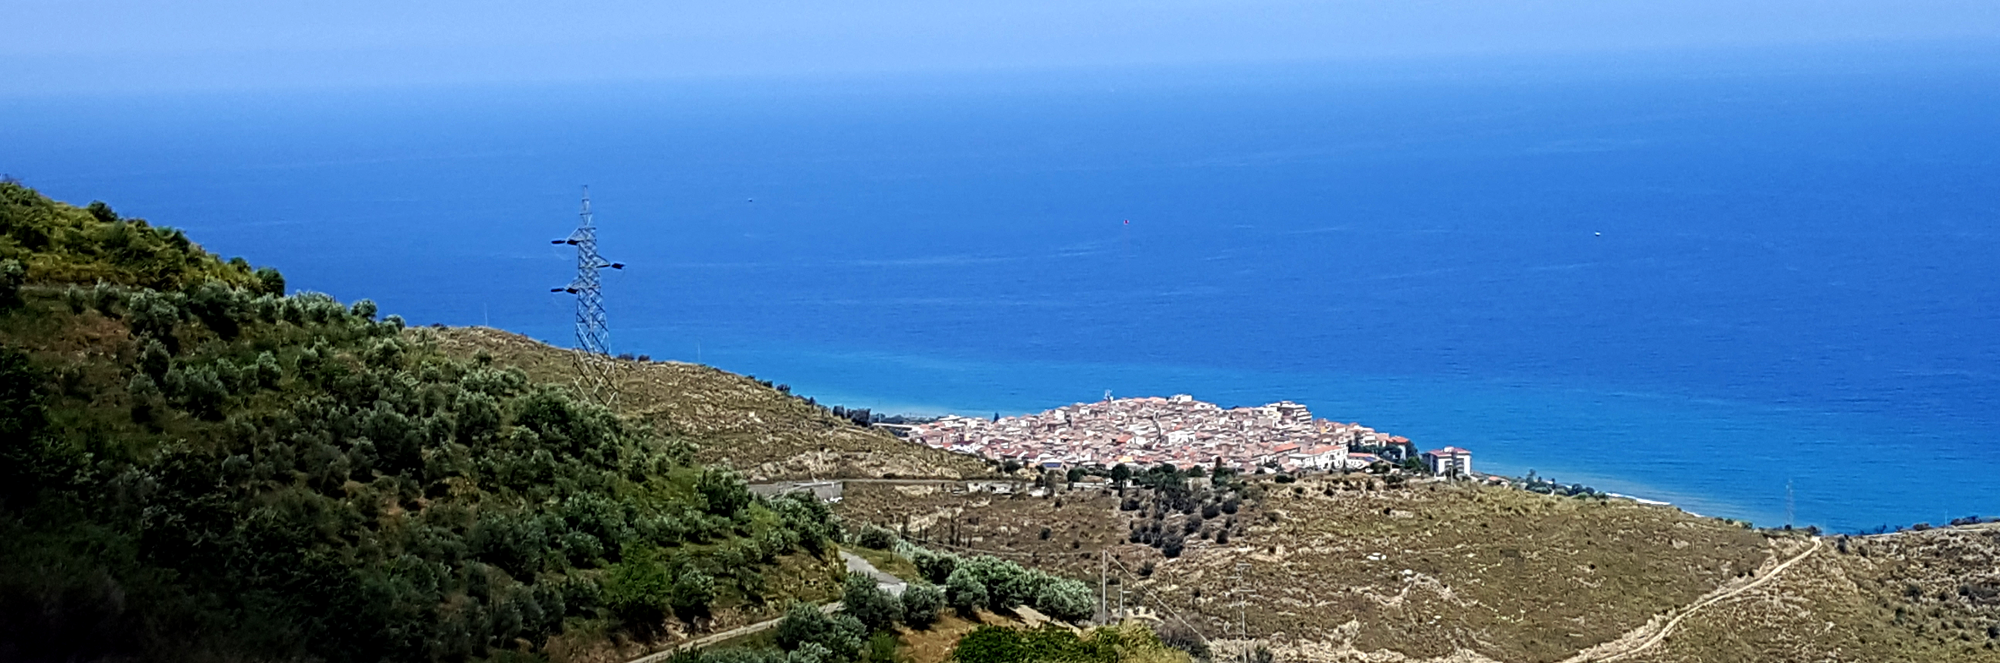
1668, 629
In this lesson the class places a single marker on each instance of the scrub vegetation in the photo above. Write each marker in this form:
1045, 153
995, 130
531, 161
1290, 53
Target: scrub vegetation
198, 466
760, 429
1911, 596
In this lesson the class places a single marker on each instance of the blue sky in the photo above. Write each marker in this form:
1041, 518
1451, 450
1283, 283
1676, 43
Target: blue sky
56, 47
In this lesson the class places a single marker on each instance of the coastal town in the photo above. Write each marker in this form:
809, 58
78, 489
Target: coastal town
1181, 431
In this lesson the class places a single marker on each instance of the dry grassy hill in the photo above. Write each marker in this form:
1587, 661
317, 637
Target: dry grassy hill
1913, 596
1359, 570
1340, 569
734, 420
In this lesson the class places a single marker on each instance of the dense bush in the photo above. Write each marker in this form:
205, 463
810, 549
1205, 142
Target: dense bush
1007, 584
936, 567
921, 603
1112, 644
842, 636
879, 538
12, 276
875, 608
965, 591
59, 243
1065, 599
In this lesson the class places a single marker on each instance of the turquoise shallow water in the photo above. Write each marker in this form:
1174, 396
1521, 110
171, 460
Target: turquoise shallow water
1689, 279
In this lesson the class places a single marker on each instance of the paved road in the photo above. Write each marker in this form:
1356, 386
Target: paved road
887, 582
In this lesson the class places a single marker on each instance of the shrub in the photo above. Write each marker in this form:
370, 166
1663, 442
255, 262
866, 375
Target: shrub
267, 371
270, 282
1007, 584
641, 589
803, 623
152, 316
921, 604
1064, 599
881, 648
692, 592
723, 491
879, 538
965, 591
861, 597
993, 644
200, 391
990, 644
841, 636
936, 567
12, 277
217, 306
810, 518
811, 652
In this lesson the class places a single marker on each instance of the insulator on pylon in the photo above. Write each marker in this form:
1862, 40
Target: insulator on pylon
592, 338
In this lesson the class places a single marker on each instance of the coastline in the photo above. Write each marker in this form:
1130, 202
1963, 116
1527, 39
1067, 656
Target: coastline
1678, 450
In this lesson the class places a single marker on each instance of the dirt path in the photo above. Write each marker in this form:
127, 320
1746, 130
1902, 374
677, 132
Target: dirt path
1615, 650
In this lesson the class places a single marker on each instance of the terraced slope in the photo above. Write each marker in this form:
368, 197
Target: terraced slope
732, 419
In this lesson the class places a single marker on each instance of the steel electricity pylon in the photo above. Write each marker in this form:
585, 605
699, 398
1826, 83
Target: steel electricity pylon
593, 339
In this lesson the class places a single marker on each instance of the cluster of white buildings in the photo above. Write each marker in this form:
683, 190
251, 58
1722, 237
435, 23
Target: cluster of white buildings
1150, 431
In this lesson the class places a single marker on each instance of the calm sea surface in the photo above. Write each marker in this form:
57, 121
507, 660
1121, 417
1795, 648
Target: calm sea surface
1696, 279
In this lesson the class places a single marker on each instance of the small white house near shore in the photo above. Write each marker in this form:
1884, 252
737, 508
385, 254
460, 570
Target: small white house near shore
1449, 462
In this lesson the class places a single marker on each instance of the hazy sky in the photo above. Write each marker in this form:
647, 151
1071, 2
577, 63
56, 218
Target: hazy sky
64, 46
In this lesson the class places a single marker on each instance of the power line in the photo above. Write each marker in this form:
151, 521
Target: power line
593, 336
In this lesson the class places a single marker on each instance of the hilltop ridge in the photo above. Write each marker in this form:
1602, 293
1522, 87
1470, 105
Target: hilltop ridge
732, 420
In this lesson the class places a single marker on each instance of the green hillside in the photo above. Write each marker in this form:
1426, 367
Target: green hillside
198, 467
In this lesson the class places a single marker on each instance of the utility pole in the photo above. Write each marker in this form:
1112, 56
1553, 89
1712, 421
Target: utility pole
1242, 617
593, 337
1103, 585
1788, 503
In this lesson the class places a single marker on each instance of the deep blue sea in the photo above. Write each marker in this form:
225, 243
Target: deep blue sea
1690, 277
